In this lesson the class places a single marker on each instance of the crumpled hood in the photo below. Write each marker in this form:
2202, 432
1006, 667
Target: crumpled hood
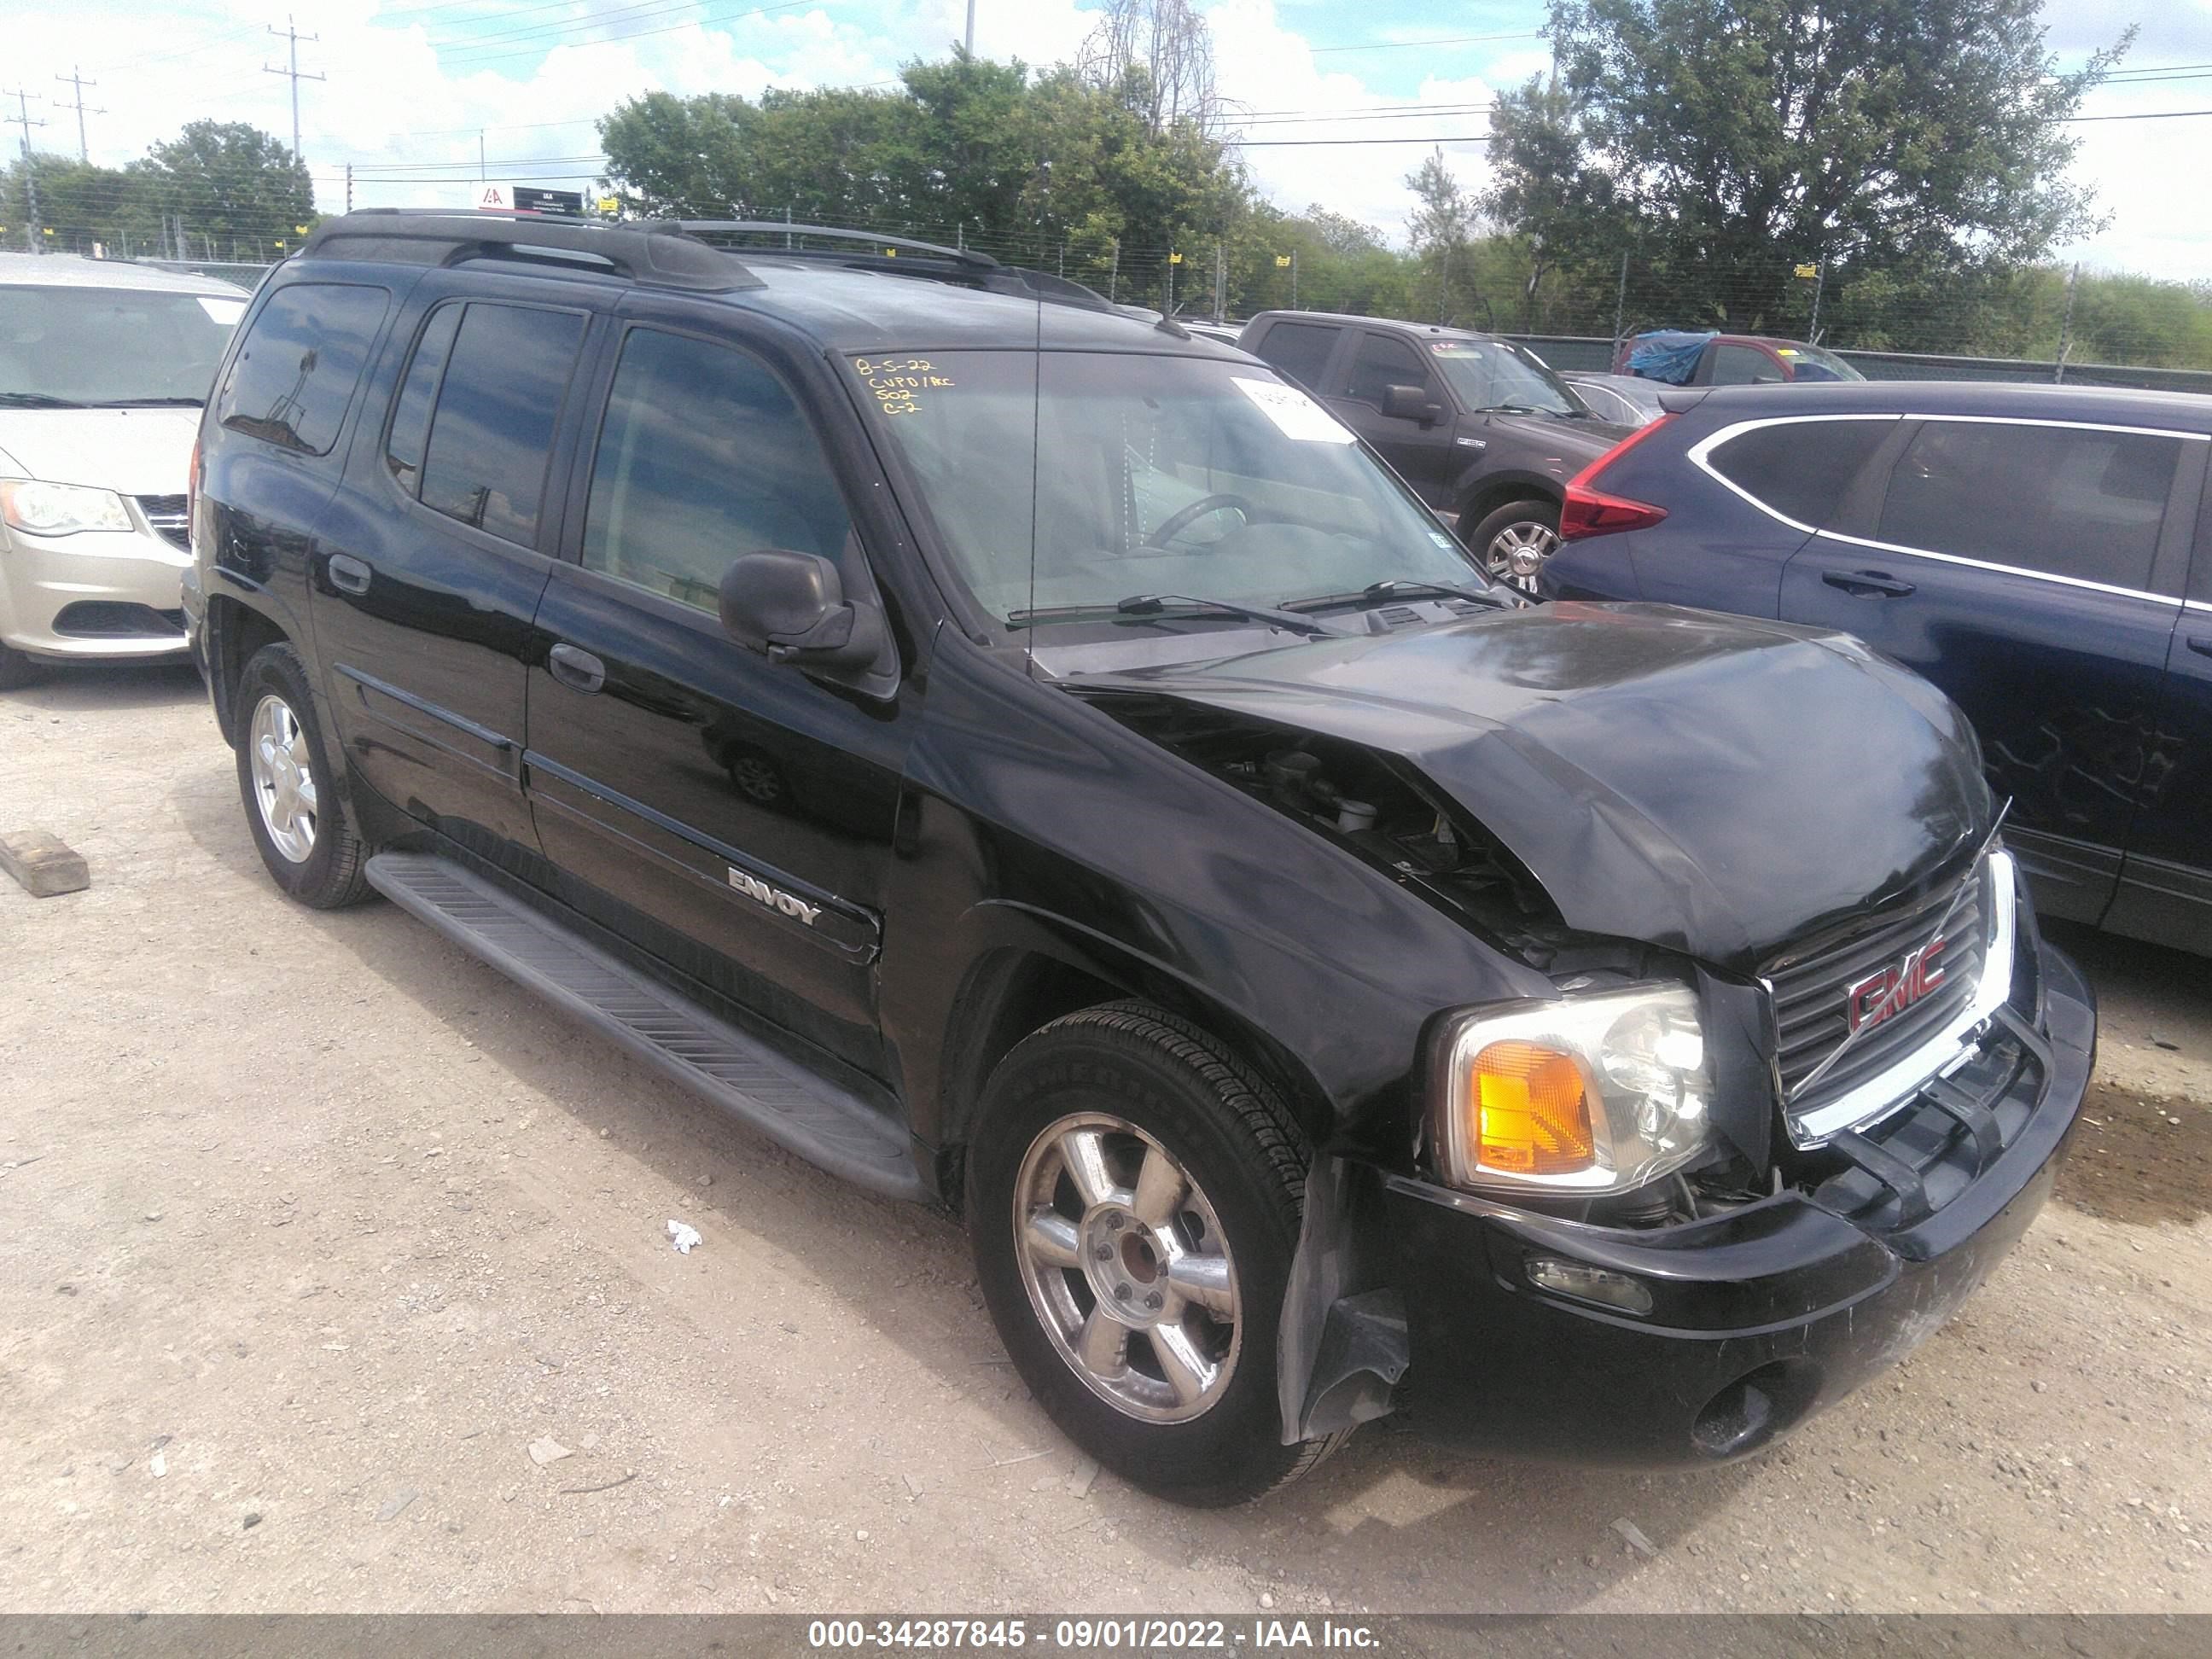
1710, 784
137, 451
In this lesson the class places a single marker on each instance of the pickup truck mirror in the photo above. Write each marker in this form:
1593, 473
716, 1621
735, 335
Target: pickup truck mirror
1411, 403
791, 608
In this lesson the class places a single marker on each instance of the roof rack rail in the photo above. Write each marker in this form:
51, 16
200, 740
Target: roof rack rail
937, 262
653, 253
837, 232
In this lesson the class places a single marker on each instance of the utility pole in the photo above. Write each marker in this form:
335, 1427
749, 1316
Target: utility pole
348, 187
22, 118
76, 78
971, 28
293, 37
1220, 270
484, 169
1294, 279
2065, 325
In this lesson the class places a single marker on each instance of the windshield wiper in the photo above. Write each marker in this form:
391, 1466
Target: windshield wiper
35, 400
150, 403
1383, 592
1157, 604
1521, 409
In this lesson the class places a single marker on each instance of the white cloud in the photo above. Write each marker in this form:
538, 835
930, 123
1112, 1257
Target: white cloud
405, 90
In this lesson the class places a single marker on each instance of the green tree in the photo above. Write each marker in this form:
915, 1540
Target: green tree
78, 205
235, 188
1731, 140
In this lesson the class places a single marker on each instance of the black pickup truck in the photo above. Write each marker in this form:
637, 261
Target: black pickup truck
1029, 760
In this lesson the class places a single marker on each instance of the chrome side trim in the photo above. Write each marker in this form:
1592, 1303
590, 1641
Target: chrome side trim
1950, 1047
1699, 455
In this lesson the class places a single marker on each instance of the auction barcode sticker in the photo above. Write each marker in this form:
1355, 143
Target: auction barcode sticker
1295, 415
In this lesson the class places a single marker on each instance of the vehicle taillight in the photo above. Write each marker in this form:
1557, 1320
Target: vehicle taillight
1589, 510
193, 487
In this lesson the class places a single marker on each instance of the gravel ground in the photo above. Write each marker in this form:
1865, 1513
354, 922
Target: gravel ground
315, 1228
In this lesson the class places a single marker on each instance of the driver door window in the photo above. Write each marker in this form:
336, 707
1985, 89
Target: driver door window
1743, 365
703, 457
1385, 361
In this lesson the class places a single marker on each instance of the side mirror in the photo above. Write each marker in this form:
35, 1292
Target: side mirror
1410, 403
792, 607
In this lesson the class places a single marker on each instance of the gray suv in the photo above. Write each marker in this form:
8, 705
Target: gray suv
1481, 427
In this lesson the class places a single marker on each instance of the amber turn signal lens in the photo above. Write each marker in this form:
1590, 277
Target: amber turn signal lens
1532, 1116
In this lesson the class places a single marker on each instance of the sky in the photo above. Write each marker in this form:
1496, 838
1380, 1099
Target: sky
409, 85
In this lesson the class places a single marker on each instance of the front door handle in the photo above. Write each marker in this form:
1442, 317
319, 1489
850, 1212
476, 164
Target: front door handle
576, 667
349, 575
1866, 584
2201, 644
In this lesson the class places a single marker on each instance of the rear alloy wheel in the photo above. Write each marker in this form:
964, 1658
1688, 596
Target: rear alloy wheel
1514, 541
284, 777
1133, 1199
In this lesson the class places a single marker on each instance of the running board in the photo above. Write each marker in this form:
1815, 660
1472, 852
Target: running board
744, 1076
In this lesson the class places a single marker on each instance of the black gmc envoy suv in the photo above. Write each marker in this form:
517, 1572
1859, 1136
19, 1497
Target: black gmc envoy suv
1025, 758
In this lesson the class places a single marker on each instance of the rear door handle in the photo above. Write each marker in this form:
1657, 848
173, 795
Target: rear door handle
349, 575
1866, 584
573, 667
2201, 644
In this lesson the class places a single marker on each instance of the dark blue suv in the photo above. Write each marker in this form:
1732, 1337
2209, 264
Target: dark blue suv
2042, 554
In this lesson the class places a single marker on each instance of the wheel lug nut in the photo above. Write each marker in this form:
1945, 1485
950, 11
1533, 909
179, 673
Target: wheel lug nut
1104, 1253
1153, 1301
1122, 1292
1113, 1223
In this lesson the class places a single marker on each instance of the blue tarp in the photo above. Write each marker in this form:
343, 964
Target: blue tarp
1666, 354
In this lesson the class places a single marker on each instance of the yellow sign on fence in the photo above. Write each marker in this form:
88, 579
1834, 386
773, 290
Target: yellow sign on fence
1174, 258
1809, 272
1282, 261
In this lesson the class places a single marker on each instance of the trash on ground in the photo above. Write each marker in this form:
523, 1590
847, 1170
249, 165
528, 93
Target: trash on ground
682, 1237
398, 1501
545, 1450
1632, 1535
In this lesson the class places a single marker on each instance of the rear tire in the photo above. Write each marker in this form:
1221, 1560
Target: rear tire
289, 788
17, 669
1125, 1159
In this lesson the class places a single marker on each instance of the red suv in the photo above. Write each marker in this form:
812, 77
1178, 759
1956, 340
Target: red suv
1684, 358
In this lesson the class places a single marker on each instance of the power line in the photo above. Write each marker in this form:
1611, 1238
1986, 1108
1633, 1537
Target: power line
470, 59
293, 35
76, 78
1274, 143
2142, 115
1449, 40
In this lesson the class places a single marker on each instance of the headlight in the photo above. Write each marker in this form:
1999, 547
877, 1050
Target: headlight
57, 509
1589, 1094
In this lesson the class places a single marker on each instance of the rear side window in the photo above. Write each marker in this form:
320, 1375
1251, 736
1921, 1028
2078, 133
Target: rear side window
703, 456
1300, 351
410, 417
492, 434
297, 368
1801, 469
1385, 360
2064, 501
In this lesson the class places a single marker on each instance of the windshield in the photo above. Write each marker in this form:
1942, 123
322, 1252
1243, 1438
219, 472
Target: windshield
1205, 481
1809, 362
1497, 375
90, 346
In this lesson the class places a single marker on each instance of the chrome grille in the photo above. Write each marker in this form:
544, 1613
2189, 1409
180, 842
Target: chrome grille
1812, 989
165, 516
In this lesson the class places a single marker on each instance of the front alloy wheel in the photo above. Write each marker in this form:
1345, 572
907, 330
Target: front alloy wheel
1127, 1267
1513, 541
1517, 552
1133, 1193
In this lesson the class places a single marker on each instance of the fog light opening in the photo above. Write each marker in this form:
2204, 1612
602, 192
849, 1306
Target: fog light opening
1750, 1412
1588, 1283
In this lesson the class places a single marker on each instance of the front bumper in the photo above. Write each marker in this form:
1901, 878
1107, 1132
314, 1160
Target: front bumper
1760, 1316
96, 596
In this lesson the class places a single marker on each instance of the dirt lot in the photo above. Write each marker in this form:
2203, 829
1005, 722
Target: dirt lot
312, 1226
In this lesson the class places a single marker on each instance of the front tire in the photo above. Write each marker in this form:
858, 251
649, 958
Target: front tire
17, 669
1134, 1201
285, 777
1514, 541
